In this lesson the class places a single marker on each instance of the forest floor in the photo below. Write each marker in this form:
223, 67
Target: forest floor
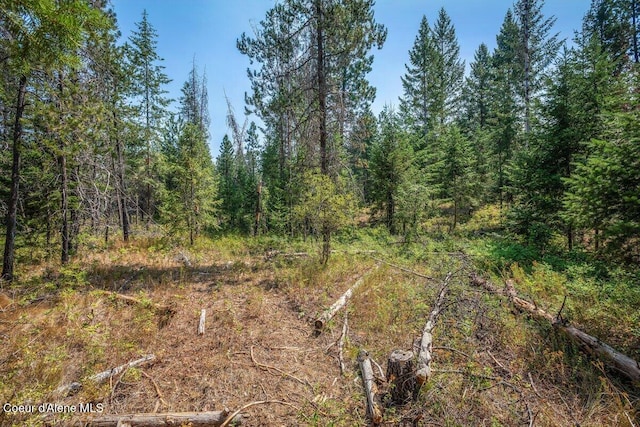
492, 366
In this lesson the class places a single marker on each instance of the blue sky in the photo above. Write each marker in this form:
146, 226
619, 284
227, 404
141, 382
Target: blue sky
209, 29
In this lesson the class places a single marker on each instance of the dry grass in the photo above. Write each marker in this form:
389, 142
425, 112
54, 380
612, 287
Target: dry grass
492, 368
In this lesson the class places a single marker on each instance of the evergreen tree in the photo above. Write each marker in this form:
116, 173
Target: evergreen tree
539, 172
451, 171
536, 49
228, 191
449, 70
391, 158
42, 36
148, 81
504, 120
416, 104
603, 189
313, 57
195, 176
479, 114
478, 90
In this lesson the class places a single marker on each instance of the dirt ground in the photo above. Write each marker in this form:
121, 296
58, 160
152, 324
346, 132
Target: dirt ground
258, 346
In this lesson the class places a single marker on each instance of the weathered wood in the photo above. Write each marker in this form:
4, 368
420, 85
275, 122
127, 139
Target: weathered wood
587, 343
423, 372
203, 316
328, 314
373, 409
343, 335
401, 376
194, 419
67, 389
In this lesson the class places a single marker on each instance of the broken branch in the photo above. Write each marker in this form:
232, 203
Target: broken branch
424, 355
373, 409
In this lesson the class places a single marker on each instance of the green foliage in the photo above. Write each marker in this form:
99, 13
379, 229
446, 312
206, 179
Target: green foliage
147, 94
431, 85
451, 171
390, 164
190, 199
324, 208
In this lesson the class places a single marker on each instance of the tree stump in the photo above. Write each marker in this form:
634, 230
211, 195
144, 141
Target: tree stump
401, 377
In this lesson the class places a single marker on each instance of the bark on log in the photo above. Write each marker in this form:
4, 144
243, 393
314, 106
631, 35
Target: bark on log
373, 409
194, 419
203, 316
74, 387
328, 314
401, 377
589, 344
426, 343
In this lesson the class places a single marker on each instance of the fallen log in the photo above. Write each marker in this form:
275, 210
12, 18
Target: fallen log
203, 316
423, 364
99, 378
401, 377
373, 409
194, 419
328, 314
587, 343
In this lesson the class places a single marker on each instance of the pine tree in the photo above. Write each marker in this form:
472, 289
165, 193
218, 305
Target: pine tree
416, 104
504, 120
196, 183
539, 172
148, 81
536, 49
42, 37
227, 170
479, 113
451, 171
391, 158
306, 49
449, 70
478, 90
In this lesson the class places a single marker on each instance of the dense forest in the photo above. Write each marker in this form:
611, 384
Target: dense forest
533, 147
546, 131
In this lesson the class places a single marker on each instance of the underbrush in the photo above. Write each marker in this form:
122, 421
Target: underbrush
492, 365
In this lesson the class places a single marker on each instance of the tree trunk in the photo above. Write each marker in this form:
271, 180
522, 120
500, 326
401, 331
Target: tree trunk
328, 314
12, 206
203, 317
258, 212
322, 89
401, 377
64, 184
101, 377
191, 211
373, 408
120, 171
62, 159
193, 419
589, 344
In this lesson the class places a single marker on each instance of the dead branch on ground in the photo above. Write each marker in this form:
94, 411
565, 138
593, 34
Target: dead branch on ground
328, 314
426, 343
72, 388
373, 409
587, 343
